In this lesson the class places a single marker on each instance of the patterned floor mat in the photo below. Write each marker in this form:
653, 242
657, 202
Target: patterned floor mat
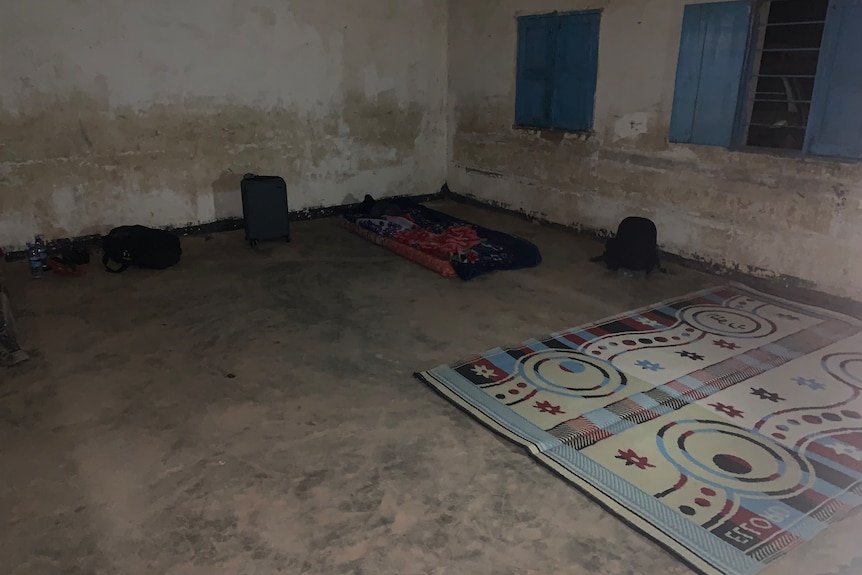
726, 425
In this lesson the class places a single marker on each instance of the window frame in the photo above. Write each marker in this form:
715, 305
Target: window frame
551, 127
831, 129
747, 87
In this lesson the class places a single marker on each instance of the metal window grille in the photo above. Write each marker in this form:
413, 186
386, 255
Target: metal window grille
785, 51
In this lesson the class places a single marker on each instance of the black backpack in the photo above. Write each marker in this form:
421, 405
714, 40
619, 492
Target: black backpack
140, 246
633, 248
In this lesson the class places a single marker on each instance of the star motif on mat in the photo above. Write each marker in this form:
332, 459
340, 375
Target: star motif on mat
644, 364
485, 372
809, 382
649, 322
728, 410
691, 355
789, 317
546, 407
632, 458
844, 449
767, 395
725, 344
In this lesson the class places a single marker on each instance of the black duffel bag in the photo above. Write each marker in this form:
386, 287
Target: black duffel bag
140, 246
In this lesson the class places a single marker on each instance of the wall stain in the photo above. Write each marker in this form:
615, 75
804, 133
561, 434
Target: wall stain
792, 216
267, 16
753, 212
84, 134
168, 155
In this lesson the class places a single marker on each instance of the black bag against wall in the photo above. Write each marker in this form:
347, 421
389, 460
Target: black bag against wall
264, 208
140, 246
634, 247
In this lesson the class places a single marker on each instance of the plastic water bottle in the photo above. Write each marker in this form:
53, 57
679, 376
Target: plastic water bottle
35, 260
43, 252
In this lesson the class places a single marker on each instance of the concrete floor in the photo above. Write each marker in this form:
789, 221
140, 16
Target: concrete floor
255, 412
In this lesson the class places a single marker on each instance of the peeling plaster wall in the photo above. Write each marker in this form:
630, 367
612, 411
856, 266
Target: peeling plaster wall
117, 112
754, 212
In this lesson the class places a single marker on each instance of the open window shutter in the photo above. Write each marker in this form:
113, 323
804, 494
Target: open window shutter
835, 126
576, 70
709, 72
687, 74
537, 36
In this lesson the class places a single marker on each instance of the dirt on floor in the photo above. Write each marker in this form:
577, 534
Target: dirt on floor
254, 411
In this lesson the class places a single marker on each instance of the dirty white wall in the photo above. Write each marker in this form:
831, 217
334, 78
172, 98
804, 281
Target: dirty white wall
120, 111
756, 212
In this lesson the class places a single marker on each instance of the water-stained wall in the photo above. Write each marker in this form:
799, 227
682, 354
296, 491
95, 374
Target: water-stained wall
115, 112
754, 212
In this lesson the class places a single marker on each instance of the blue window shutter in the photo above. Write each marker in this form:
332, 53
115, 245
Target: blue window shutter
709, 72
576, 70
835, 125
687, 74
537, 36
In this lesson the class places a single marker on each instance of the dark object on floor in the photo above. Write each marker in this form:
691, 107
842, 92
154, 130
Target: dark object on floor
140, 246
10, 352
379, 208
633, 248
264, 208
78, 256
64, 266
438, 241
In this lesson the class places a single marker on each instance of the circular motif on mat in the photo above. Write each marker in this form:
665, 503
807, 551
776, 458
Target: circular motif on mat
732, 464
845, 367
733, 458
834, 417
717, 320
851, 414
570, 373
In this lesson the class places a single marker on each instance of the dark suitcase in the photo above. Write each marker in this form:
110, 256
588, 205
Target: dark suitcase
264, 208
